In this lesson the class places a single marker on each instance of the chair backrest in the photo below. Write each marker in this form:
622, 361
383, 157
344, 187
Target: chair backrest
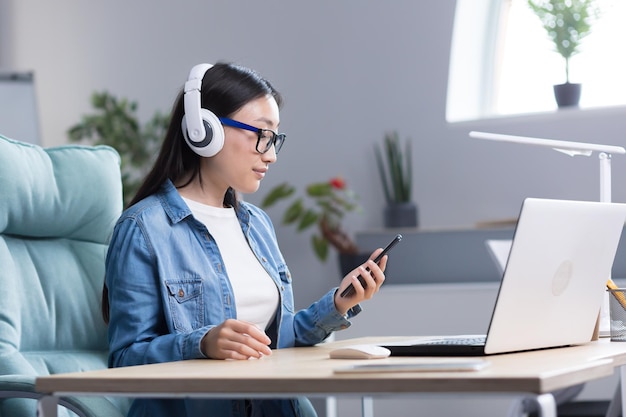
57, 211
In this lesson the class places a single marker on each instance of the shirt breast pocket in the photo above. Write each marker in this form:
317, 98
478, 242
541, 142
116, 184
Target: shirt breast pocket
185, 302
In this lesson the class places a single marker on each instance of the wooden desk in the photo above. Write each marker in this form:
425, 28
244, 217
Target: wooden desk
309, 371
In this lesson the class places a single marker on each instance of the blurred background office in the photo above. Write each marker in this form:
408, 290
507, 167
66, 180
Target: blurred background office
350, 72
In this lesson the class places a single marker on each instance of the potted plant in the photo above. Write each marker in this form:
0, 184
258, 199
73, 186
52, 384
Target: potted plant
115, 123
323, 205
395, 167
567, 23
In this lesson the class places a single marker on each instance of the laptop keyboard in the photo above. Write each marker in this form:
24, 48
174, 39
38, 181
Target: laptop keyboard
455, 341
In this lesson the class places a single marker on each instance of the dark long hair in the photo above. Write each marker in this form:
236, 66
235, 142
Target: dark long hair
226, 88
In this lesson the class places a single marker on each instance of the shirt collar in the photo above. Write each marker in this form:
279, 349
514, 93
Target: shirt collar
177, 210
172, 202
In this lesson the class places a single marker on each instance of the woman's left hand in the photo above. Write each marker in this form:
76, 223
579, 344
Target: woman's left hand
373, 279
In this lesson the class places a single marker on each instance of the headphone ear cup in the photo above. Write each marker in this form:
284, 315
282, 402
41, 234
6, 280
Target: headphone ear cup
213, 141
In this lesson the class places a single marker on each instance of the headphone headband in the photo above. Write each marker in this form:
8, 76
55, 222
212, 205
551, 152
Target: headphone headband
195, 127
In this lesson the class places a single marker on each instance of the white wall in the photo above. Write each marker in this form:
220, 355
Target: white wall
349, 70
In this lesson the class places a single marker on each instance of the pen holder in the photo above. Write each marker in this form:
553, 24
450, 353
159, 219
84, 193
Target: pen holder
617, 311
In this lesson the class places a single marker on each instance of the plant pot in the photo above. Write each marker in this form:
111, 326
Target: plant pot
567, 95
401, 215
349, 261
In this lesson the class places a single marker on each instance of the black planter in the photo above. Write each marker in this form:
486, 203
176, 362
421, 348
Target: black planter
401, 215
567, 95
348, 261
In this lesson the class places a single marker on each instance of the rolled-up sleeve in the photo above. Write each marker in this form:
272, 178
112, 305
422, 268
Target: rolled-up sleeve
318, 321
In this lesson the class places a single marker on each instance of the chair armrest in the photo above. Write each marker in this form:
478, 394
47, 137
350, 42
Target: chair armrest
18, 386
91, 406
23, 386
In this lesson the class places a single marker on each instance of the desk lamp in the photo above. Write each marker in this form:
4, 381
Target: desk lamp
568, 148
571, 149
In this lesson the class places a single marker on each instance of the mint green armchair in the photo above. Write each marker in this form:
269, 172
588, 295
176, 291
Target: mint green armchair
57, 211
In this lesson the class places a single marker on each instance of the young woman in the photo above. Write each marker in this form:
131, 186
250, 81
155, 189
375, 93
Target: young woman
192, 272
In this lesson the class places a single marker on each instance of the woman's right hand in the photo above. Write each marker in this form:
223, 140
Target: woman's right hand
235, 339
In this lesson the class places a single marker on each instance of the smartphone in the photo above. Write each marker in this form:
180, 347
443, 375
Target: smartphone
350, 288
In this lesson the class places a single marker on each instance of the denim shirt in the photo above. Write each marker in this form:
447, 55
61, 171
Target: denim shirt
168, 287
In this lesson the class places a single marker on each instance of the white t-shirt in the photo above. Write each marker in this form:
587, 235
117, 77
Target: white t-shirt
256, 295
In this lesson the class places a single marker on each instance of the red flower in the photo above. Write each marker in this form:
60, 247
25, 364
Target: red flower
338, 183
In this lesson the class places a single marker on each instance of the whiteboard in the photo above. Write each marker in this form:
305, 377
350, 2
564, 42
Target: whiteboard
19, 118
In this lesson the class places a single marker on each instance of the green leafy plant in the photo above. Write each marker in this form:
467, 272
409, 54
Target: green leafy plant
115, 123
395, 168
324, 205
567, 23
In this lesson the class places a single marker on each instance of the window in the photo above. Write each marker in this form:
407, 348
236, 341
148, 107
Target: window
511, 64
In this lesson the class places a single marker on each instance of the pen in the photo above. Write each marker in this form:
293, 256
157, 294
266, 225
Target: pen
618, 295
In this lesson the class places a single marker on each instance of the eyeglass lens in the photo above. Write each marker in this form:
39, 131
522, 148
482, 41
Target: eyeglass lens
267, 138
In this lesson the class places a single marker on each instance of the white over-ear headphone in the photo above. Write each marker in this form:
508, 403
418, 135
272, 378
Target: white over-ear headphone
202, 130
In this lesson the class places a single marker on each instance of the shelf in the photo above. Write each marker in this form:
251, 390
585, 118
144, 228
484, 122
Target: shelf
448, 255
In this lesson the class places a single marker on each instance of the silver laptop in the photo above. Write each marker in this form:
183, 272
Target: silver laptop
553, 284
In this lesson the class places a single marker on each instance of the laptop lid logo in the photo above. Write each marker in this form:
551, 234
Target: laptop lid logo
562, 277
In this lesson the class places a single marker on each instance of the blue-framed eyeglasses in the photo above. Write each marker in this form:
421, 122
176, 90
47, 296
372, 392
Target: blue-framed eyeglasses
266, 137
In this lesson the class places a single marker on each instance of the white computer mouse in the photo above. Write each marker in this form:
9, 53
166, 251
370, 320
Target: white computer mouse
360, 352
